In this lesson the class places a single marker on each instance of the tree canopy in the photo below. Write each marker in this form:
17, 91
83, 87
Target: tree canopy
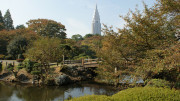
17, 46
49, 28
77, 37
140, 48
20, 27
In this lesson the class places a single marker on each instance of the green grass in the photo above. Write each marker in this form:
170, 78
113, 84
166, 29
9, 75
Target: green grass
136, 94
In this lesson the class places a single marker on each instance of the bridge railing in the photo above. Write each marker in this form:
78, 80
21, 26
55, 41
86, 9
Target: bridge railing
81, 62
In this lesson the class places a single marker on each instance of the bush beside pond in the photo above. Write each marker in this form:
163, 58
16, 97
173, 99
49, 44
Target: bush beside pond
159, 83
136, 94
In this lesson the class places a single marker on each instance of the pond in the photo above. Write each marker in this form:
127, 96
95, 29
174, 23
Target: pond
25, 92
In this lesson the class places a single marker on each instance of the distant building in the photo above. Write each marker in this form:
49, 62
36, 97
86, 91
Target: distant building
96, 24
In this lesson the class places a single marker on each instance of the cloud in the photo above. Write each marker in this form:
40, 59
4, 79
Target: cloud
75, 26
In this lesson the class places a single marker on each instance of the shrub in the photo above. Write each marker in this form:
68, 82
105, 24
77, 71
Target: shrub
20, 66
2, 56
10, 67
147, 94
8, 57
158, 83
36, 69
136, 94
28, 64
92, 98
35, 72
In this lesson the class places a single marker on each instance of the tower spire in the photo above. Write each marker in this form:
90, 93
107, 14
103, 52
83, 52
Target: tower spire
96, 25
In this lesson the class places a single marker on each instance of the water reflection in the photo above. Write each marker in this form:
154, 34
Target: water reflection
17, 92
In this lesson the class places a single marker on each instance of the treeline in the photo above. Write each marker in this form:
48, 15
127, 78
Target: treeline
146, 47
6, 22
16, 42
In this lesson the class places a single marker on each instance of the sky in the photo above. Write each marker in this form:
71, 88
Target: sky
76, 15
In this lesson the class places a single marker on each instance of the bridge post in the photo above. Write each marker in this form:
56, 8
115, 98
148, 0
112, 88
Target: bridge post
83, 62
115, 70
13, 63
63, 60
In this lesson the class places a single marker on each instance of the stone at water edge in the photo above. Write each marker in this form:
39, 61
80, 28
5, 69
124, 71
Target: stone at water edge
62, 80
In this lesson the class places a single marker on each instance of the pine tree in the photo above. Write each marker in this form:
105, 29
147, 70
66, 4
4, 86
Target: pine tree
1, 22
8, 22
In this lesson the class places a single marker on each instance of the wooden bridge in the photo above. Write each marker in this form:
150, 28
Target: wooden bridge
88, 63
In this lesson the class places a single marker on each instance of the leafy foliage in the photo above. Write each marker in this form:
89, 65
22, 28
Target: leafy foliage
28, 65
20, 66
7, 36
144, 47
159, 83
52, 51
17, 46
88, 36
20, 27
77, 37
36, 69
47, 50
10, 67
45, 27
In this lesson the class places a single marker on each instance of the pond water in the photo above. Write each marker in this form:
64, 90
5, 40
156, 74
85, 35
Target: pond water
22, 92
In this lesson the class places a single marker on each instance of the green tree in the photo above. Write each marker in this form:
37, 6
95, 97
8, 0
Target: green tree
17, 46
8, 22
45, 27
20, 27
88, 36
1, 22
77, 37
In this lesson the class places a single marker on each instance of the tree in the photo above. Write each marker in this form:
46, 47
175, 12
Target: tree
138, 48
8, 22
1, 22
17, 46
46, 50
88, 35
20, 27
77, 37
45, 27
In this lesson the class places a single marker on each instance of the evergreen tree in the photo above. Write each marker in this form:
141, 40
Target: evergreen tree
8, 22
1, 22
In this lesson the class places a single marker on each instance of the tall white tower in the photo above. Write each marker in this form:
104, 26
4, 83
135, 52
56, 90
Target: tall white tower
96, 24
